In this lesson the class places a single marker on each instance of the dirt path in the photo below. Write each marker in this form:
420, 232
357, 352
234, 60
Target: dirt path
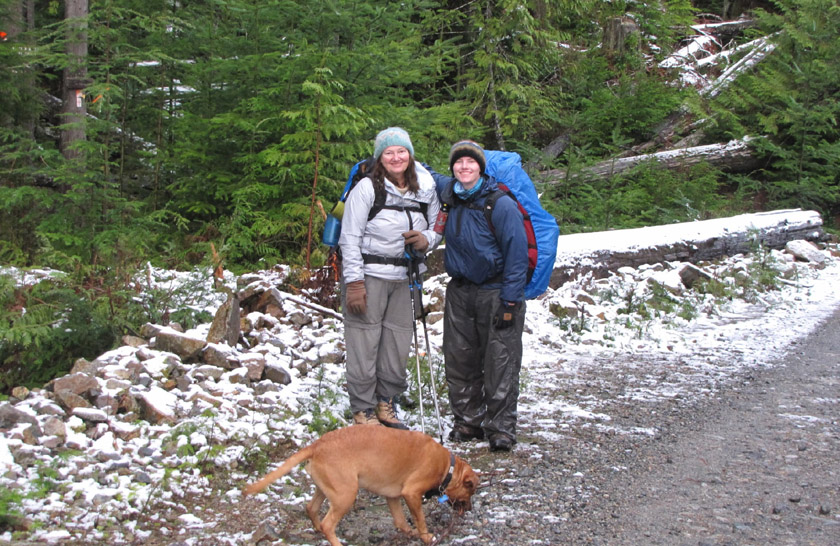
760, 465
750, 460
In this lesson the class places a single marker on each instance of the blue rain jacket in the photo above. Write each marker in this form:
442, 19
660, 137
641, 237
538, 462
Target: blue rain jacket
473, 251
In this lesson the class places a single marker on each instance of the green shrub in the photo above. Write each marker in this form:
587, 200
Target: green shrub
46, 327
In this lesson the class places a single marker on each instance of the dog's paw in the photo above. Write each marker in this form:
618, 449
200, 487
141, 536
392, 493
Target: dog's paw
427, 538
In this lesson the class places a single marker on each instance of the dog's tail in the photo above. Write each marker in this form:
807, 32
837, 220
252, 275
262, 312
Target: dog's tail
287, 466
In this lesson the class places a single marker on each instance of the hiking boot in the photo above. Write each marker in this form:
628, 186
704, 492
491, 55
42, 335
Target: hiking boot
464, 433
386, 412
365, 417
501, 442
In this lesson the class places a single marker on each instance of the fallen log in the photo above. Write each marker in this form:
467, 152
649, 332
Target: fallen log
602, 252
733, 156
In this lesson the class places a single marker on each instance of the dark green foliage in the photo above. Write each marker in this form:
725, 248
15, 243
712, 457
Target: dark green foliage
234, 122
794, 100
644, 196
45, 328
10, 515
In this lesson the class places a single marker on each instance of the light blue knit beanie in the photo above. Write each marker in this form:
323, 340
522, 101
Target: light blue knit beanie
392, 136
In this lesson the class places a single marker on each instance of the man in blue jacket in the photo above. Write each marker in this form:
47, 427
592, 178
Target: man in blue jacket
485, 309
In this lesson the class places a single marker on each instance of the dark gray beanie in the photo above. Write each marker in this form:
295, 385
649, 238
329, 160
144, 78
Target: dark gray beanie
467, 148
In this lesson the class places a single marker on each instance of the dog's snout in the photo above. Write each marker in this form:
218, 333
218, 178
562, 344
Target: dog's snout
462, 506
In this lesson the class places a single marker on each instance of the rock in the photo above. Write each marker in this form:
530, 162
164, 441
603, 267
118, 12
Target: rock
271, 303
207, 371
218, 355
144, 353
91, 415
690, 274
669, 280
805, 250
185, 346
125, 431
20, 393
161, 366
70, 400
254, 363
157, 405
265, 386
128, 403
266, 532
133, 341
204, 397
299, 318
82, 365
53, 426
107, 403
276, 373
149, 330
225, 326
31, 434
76, 383
47, 407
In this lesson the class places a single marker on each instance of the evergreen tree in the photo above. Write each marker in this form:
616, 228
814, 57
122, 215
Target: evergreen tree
793, 99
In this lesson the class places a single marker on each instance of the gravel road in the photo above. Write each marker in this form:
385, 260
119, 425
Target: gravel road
756, 462
746, 460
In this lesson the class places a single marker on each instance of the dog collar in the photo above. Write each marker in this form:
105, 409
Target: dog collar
449, 473
440, 490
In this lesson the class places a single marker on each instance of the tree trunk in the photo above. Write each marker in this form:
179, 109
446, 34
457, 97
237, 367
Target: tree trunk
734, 156
75, 79
617, 32
602, 252
551, 152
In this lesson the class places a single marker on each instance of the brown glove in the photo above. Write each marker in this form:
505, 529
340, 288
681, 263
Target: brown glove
417, 240
356, 297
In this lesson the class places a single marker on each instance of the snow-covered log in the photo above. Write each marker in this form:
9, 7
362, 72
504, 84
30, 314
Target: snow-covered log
603, 252
758, 51
732, 156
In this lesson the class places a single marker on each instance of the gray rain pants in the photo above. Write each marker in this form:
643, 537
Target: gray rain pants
377, 343
482, 363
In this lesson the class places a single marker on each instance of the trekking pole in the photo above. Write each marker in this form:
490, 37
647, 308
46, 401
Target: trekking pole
417, 291
432, 385
411, 289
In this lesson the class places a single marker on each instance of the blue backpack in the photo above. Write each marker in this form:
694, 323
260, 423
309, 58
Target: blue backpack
332, 226
540, 227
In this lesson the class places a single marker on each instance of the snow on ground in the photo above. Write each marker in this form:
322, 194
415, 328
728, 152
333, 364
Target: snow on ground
678, 344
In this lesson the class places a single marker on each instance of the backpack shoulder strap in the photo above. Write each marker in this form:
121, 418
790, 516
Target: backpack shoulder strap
490, 204
378, 201
380, 195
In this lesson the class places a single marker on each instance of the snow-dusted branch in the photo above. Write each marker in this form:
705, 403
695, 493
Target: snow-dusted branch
314, 306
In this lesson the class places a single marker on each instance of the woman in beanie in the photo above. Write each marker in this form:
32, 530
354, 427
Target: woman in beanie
484, 313
376, 296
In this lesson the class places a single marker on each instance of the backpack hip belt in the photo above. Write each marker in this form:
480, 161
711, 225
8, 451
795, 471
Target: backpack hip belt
386, 260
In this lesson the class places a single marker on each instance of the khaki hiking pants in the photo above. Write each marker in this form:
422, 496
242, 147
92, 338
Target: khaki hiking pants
378, 343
